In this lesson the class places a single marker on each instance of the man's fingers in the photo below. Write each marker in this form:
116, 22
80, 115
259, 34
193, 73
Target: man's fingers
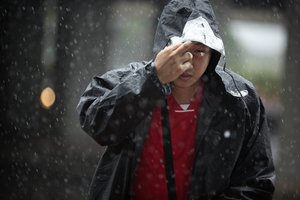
187, 56
183, 48
185, 66
173, 61
176, 49
172, 47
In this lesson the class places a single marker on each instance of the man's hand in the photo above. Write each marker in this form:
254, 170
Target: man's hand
173, 61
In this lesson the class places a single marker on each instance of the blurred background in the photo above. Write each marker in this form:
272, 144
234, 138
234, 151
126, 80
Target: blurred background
50, 50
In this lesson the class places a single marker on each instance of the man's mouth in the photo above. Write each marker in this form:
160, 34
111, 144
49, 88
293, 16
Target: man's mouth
185, 77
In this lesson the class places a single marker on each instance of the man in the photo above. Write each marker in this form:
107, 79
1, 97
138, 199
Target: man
181, 126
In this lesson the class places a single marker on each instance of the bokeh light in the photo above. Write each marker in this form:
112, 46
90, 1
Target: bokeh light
47, 97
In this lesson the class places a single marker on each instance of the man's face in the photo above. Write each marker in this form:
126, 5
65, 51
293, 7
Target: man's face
200, 61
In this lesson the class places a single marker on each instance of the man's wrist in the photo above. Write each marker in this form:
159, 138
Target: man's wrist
151, 68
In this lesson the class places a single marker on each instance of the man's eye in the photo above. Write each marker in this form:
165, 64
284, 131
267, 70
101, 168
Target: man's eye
199, 52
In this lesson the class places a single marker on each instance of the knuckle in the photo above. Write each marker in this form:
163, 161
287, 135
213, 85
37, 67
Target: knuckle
173, 57
187, 54
186, 44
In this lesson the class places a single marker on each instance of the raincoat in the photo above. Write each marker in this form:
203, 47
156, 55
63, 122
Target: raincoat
233, 154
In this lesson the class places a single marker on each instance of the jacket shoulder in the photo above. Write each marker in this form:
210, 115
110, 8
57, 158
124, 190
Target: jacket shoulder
241, 89
235, 84
125, 69
116, 75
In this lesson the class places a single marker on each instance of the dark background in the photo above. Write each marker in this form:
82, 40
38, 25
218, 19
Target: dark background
62, 44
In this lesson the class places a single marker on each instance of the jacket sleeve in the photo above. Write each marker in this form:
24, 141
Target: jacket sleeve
254, 174
115, 103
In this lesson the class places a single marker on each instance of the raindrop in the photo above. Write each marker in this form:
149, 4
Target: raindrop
227, 134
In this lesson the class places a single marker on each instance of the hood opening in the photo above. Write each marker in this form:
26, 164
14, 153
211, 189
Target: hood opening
191, 20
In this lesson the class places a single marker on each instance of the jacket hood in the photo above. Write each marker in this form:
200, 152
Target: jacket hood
189, 20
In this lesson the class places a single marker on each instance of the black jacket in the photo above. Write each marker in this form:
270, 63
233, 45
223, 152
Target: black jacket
233, 153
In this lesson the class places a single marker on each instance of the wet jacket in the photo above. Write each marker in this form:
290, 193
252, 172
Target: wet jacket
233, 154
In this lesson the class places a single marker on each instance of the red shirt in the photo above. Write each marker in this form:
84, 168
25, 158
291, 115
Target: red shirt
150, 178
